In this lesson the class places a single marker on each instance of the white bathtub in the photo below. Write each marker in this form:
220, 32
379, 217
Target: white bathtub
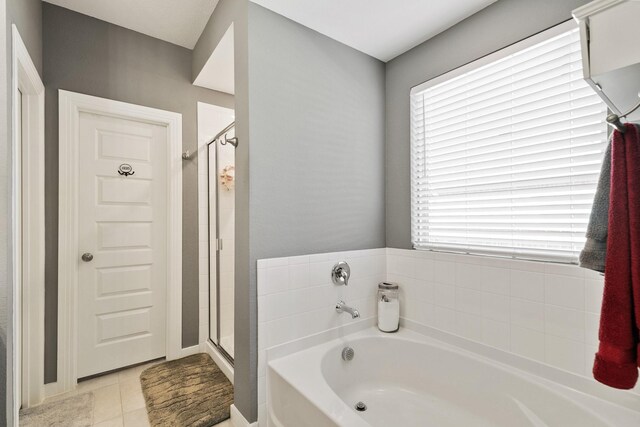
408, 379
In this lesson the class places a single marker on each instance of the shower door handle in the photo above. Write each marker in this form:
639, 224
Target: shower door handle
219, 245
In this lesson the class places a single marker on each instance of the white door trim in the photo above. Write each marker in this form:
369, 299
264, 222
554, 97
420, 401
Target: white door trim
70, 106
28, 228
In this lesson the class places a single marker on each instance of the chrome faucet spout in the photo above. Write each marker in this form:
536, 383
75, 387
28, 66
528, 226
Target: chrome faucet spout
342, 307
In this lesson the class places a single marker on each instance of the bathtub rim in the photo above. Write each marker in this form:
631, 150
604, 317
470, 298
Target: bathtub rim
414, 331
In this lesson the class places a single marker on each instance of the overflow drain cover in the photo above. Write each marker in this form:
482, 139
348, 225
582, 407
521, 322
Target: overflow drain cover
361, 407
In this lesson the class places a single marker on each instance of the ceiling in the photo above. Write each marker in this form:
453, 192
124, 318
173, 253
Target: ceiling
176, 21
380, 28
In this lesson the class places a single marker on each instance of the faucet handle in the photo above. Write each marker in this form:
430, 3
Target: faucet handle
340, 273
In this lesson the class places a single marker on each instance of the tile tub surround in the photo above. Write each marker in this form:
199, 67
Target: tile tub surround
296, 299
542, 311
545, 312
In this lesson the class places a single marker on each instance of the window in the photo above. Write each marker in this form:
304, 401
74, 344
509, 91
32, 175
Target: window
506, 152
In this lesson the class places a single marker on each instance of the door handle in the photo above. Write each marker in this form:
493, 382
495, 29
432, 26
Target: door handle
87, 257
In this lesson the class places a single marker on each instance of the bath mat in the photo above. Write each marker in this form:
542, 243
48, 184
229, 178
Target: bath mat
58, 413
191, 391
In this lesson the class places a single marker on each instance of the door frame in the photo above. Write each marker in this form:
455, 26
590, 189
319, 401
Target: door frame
27, 223
71, 104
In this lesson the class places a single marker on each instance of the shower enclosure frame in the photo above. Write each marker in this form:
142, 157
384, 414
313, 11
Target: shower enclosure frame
222, 139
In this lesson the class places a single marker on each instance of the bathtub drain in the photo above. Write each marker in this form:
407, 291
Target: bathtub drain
361, 407
348, 353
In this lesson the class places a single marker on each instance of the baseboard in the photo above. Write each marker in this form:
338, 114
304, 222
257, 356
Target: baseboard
239, 420
51, 389
223, 364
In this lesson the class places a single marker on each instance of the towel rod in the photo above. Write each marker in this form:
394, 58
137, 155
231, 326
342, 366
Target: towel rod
188, 154
233, 141
614, 119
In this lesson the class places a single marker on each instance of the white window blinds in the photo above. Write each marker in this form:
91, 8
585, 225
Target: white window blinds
505, 158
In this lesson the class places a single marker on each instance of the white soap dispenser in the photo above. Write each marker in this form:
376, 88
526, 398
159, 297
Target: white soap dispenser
388, 307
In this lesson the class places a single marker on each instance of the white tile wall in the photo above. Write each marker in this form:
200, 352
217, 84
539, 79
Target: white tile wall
546, 312
296, 298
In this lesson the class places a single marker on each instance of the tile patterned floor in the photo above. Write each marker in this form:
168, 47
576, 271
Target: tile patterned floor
118, 399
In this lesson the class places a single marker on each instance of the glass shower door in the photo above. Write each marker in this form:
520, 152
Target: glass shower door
222, 242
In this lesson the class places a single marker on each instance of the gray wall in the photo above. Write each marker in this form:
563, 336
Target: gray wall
85, 55
245, 363
316, 111
317, 141
501, 24
27, 16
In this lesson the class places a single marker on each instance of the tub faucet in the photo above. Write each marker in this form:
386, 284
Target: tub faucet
342, 307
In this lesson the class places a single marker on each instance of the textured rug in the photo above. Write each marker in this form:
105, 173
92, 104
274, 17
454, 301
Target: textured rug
75, 411
191, 392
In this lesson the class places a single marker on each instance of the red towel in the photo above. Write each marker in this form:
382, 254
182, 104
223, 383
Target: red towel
618, 358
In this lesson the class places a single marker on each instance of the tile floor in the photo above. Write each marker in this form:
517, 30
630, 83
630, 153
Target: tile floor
118, 399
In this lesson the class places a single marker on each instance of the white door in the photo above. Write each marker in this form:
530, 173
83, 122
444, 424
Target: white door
122, 239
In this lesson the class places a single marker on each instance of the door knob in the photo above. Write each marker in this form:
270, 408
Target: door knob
87, 257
